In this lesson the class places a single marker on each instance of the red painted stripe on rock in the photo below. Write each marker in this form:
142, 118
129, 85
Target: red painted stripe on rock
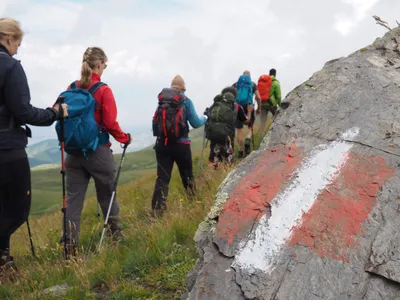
252, 194
331, 226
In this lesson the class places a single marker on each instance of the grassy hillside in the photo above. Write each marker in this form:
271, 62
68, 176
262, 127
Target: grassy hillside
46, 182
47, 188
150, 263
45, 152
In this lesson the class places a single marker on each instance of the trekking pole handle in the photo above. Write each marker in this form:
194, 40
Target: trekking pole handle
60, 100
124, 146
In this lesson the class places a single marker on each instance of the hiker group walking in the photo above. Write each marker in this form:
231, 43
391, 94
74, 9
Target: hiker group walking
86, 116
231, 109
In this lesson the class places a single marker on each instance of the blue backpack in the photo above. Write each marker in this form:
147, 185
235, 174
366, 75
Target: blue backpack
245, 90
81, 131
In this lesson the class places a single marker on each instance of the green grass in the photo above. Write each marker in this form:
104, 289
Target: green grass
150, 263
47, 188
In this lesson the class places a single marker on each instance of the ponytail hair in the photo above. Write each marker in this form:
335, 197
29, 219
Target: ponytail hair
91, 57
86, 75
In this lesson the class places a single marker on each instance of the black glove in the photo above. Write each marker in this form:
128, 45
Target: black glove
129, 139
206, 112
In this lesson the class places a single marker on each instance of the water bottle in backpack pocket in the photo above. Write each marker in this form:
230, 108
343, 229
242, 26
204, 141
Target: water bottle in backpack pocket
81, 131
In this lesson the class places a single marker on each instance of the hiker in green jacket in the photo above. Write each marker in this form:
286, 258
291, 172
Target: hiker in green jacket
272, 105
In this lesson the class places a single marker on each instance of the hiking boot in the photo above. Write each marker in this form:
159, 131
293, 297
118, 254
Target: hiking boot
247, 143
71, 249
240, 154
115, 234
7, 262
8, 269
115, 231
157, 213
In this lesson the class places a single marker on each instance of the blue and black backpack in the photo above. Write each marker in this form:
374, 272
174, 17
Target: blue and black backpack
81, 131
245, 90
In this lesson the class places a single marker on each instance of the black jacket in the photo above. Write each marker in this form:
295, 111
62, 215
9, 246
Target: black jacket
15, 107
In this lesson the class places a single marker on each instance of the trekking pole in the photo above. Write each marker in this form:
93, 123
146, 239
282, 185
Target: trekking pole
112, 196
252, 127
273, 119
202, 150
252, 136
30, 237
204, 143
60, 101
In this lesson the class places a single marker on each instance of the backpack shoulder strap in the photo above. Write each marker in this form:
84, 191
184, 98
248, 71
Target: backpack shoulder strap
73, 85
95, 87
182, 98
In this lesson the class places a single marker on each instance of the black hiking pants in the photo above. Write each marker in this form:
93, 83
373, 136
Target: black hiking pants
166, 156
15, 198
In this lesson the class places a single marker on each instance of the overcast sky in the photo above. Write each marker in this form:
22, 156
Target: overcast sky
209, 43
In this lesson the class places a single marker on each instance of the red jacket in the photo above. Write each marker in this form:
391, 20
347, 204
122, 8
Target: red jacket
106, 114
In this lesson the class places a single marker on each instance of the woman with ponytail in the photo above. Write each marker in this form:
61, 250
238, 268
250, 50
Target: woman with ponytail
99, 164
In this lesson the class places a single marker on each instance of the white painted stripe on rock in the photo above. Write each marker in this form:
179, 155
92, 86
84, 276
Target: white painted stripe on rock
287, 208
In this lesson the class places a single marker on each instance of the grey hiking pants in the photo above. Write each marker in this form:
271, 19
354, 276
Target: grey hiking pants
101, 166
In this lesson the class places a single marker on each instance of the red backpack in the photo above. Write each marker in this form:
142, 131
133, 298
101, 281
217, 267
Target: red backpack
264, 87
169, 121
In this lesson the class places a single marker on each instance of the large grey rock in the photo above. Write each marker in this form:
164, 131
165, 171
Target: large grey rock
315, 212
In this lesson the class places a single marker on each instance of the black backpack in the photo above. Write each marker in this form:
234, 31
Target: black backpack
222, 117
169, 121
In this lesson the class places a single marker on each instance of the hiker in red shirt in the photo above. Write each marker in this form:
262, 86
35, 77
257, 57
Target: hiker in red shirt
98, 164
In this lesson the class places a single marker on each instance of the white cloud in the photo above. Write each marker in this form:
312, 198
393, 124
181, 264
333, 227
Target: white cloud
344, 23
209, 43
3, 6
202, 40
123, 64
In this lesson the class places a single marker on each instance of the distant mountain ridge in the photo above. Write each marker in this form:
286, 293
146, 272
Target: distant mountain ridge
45, 152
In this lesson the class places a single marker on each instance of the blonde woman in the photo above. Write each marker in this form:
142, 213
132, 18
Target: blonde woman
98, 164
15, 113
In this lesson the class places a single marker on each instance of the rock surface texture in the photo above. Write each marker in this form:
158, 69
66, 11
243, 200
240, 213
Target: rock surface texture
315, 212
